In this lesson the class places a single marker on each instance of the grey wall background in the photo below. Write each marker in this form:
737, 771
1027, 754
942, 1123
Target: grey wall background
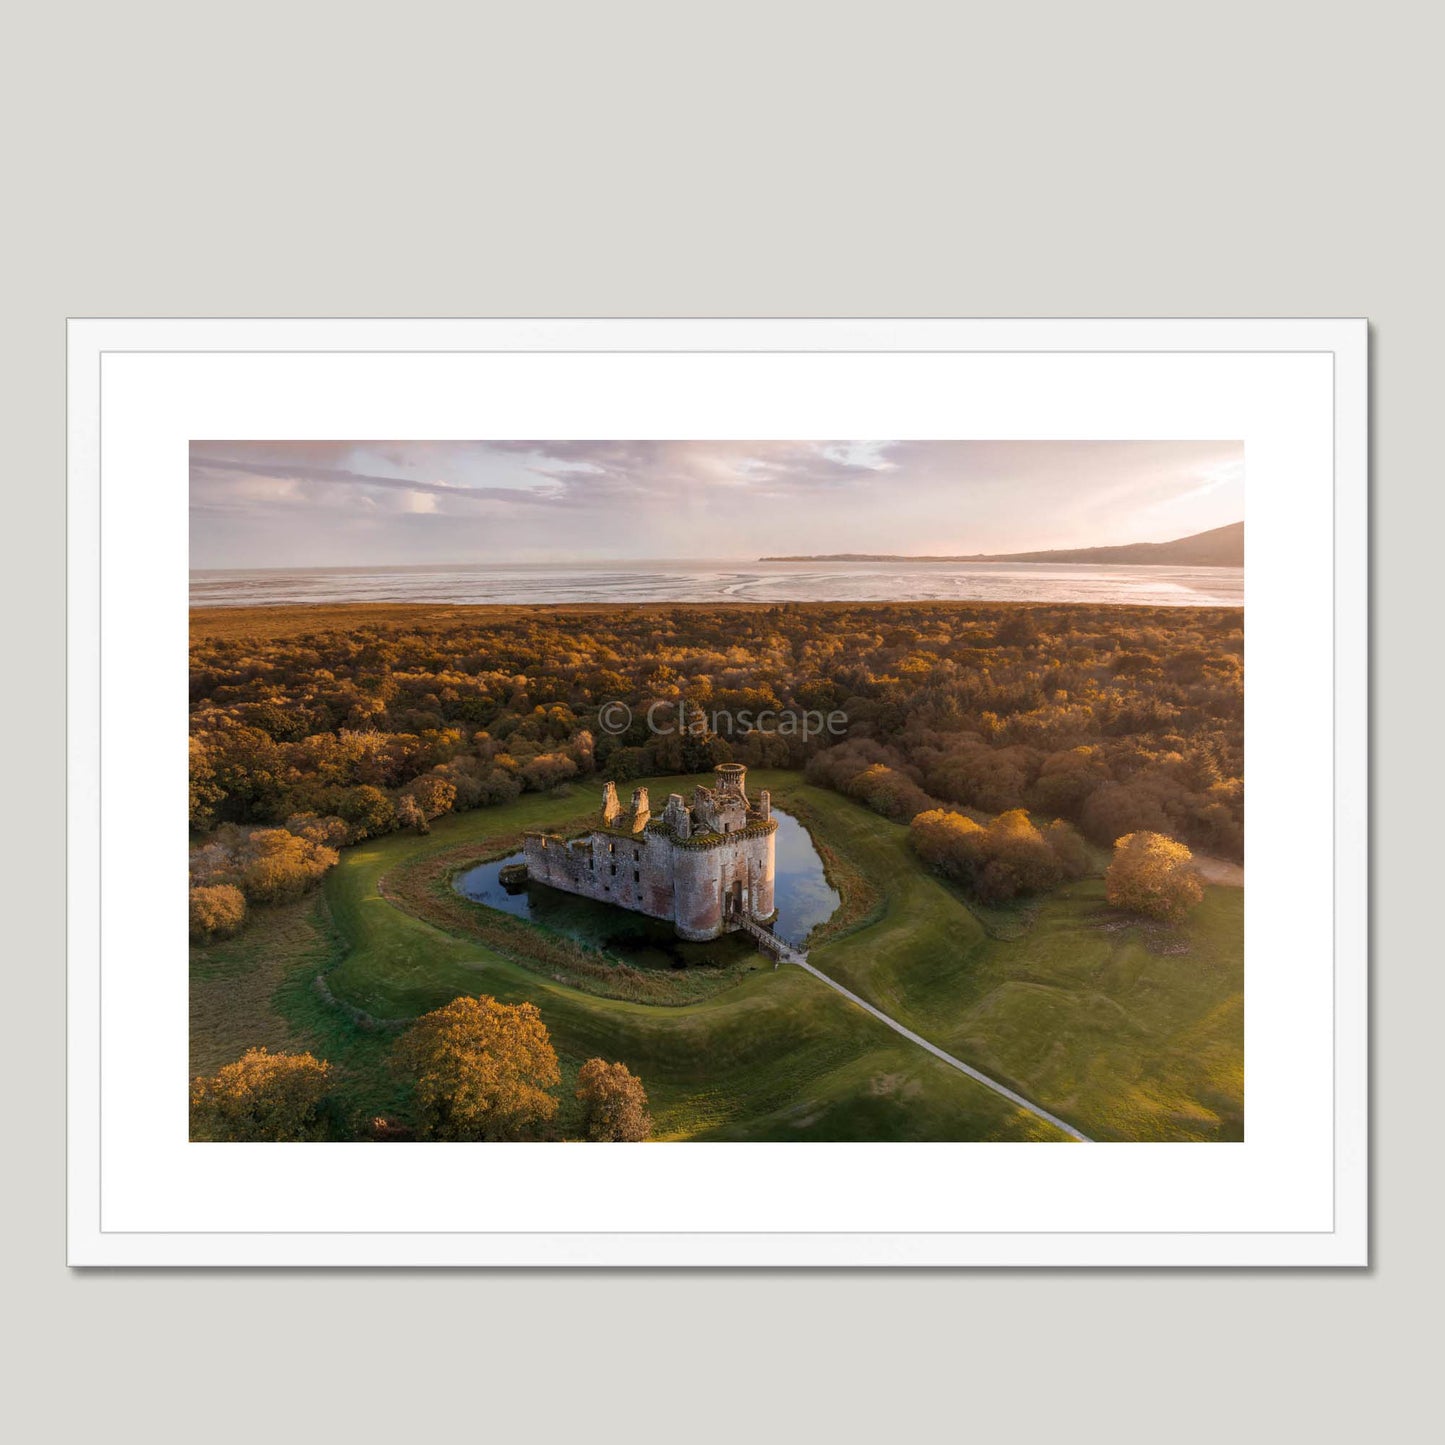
750, 159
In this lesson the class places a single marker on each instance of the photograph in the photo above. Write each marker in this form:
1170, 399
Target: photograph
687, 570
716, 790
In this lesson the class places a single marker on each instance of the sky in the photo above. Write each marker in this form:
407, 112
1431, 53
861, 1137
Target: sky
343, 504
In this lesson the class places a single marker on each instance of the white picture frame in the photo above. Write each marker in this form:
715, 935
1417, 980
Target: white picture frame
1294, 1192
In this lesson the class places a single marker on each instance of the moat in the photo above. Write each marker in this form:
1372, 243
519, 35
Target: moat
802, 895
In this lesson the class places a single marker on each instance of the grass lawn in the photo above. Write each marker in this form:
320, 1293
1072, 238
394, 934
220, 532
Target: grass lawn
1129, 1031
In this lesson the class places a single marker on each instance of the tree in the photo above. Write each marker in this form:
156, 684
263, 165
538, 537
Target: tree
1020, 859
993, 779
217, 911
481, 1070
614, 1103
1004, 858
546, 770
205, 793
1069, 850
887, 791
328, 830
368, 810
1151, 875
262, 1097
268, 865
434, 795
410, 814
275, 865
1115, 809
950, 842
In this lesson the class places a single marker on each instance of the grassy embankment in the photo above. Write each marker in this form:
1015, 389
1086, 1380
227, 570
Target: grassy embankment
1130, 1031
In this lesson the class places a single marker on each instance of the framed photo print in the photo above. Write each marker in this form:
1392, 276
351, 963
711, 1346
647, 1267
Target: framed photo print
811, 755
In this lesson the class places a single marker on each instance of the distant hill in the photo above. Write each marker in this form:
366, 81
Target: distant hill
1221, 547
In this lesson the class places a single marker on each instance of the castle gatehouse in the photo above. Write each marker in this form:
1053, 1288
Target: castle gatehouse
706, 866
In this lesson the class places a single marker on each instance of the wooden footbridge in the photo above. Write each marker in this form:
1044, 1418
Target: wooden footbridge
778, 949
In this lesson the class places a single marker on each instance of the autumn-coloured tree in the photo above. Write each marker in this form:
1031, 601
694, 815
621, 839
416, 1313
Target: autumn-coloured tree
205, 792
433, 794
366, 809
328, 830
411, 814
614, 1103
268, 865
1068, 848
1006, 856
1015, 845
1151, 875
948, 841
262, 1097
546, 770
217, 911
887, 791
1116, 809
481, 1070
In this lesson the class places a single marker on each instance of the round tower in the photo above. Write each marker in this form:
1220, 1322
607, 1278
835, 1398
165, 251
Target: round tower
696, 896
731, 781
762, 867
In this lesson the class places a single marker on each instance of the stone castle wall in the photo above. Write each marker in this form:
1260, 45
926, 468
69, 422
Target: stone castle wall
693, 879
632, 872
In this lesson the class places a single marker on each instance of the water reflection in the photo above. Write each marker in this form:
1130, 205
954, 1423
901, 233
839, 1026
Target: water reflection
801, 893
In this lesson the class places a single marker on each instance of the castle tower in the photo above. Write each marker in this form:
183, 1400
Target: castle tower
731, 782
610, 807
765, 805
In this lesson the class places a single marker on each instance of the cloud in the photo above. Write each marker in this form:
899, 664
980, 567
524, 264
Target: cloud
252, 473
314, 503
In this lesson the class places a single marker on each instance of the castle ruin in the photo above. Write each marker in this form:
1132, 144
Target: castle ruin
705, 866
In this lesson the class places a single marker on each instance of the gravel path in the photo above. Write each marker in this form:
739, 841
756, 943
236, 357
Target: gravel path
938, 1053
1219, 871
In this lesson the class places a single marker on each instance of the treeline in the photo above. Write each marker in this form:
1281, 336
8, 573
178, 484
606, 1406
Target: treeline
1117, 719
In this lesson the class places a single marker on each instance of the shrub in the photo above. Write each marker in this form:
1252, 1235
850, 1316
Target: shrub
217, 911
614, 1103
276, 865
268, 865
262, 1097
1019, 857
1151, 875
